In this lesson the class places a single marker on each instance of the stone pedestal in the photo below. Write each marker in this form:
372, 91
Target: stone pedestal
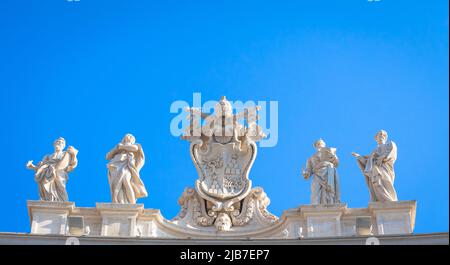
119, 219
323, 220
393, 217
49, 217
308, 221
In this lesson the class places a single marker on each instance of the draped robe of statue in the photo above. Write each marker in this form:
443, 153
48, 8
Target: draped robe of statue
325, 183
51, 175
380, 178
123, 174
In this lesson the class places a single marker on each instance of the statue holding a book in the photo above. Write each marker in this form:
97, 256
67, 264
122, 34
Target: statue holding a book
321, 168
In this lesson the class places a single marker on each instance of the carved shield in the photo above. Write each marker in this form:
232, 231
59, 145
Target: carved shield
223, 170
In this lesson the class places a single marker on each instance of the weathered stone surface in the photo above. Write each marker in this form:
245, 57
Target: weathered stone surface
126, 160
223, 151
51, 173
378, 169
308, 221
410, 239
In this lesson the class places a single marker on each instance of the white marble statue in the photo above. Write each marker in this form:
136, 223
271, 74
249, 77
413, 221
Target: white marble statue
126, 160
51, 173
378, 169
322, 167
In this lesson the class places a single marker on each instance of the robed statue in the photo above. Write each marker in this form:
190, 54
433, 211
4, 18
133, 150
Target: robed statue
126, 160
322, 168
51, 173
378, 169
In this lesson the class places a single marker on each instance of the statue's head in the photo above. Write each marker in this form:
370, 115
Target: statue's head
381, 137
319, 144
223, 222
128, 139
59, 144
223, 108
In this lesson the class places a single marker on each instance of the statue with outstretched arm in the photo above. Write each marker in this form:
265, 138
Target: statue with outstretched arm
378, 169
51, 173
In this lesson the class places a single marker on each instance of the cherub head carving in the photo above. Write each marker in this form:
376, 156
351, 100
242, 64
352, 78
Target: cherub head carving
223, 222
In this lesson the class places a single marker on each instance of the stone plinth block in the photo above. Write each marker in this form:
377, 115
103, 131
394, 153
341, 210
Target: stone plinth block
49, 217
119, 219
394, 217
323, 220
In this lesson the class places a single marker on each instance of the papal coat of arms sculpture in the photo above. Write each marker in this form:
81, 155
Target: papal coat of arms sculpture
223, 151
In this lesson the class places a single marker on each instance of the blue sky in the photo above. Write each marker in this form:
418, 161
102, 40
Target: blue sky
91, 71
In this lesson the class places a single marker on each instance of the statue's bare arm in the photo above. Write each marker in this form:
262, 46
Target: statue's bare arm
335, 161
307, 173
31, 166
128, 148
